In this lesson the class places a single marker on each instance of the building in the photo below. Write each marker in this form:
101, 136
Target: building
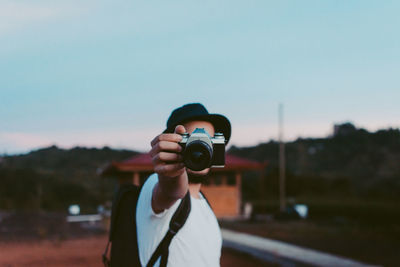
223, 189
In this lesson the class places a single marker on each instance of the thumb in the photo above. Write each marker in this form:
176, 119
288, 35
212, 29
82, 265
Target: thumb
179, 129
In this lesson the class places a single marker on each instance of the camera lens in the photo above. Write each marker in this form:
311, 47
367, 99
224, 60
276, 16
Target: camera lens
198, 155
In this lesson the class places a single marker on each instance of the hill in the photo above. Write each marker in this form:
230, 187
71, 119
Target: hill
52, 178
352, 162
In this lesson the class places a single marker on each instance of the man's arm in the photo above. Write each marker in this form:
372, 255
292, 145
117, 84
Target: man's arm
172, 177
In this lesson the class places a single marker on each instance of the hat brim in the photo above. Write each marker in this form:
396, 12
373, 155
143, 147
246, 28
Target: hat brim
221, 124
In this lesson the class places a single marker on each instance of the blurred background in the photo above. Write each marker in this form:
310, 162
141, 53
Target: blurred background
311, 89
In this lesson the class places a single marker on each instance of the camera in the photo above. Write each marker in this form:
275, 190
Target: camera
201, 151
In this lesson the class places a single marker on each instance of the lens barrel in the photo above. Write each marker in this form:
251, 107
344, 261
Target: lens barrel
198, 155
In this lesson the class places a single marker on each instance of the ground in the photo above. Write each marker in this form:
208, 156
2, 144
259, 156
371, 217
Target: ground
46, 239
81, 252
373, 244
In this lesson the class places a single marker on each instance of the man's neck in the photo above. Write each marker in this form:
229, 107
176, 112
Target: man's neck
194, 190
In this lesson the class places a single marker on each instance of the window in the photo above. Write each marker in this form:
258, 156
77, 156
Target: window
231, 179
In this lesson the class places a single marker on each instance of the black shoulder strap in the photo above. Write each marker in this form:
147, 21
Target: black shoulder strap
176, 223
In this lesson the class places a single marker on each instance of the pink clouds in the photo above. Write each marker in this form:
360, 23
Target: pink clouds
22, 141
139, 138
17, 15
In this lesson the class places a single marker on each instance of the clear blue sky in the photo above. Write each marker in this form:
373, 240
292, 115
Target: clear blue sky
96, 73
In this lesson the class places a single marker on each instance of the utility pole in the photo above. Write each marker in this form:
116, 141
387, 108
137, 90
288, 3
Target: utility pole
282, 191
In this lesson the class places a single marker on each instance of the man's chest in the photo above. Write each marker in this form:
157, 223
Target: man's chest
199, 242
201, 230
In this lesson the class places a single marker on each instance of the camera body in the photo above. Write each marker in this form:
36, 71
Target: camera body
201, 151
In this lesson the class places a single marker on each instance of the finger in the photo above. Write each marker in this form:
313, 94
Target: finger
180, 129
172, 137
155, 140
166, 157
165, 146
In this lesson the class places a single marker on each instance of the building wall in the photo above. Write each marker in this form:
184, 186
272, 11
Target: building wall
224, 199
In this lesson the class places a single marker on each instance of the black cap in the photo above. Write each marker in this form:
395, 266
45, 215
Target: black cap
196, 111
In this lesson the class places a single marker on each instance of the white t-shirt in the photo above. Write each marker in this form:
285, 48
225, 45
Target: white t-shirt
199, 241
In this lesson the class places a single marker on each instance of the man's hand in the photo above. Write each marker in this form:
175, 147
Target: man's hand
167, 161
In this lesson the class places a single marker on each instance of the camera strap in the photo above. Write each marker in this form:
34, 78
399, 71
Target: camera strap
176, 223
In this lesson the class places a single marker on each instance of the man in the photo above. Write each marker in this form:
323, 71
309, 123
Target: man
199, 241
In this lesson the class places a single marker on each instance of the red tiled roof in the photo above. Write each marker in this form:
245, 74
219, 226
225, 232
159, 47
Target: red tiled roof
138, 160
235, 162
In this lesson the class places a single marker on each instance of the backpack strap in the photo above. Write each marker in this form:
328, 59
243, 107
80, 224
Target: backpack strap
177, 221
106, 260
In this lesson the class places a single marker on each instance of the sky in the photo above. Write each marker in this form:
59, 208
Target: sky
109, 73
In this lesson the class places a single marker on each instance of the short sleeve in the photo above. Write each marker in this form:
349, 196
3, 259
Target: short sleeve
146, 196
151, 226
